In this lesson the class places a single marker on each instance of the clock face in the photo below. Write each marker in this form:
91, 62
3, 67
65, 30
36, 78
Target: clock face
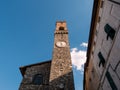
61, 44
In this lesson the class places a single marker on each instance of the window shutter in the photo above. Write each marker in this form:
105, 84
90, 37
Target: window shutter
111, 82
102, 60
110, 31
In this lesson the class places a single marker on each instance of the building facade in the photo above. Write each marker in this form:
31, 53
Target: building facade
102, 68
55, 74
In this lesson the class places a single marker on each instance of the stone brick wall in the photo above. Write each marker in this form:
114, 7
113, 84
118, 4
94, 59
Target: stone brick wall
57, 74
61, 75
30, 72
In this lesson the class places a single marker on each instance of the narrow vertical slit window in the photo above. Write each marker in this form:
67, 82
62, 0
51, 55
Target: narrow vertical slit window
96, 32
109, 31
102, 60
111, 82
102, 2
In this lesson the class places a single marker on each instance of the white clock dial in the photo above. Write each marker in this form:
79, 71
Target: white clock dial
61, 44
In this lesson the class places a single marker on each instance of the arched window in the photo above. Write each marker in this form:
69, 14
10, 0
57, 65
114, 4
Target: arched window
38, 79
61, 28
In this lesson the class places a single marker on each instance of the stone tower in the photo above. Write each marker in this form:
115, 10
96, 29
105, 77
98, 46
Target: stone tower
51, 75
61, 75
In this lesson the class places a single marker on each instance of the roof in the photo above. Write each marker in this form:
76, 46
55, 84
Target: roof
23, 68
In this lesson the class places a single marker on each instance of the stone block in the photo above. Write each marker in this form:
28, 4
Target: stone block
118, 70
116, 11
114, 55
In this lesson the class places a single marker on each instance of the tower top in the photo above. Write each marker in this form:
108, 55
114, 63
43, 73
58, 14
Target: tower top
60, 22
61, 25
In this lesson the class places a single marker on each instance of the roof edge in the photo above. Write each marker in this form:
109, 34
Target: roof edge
23, 68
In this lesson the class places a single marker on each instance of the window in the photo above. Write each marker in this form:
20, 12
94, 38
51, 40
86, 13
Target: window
38, 79
102, 60
110, 80
90, 79
99, 19
110, 31
96, 33
102, 2
93, 72
61, 28
92, 52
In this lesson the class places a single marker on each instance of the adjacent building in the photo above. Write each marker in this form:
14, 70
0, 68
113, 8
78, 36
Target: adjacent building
102, 69
55, 74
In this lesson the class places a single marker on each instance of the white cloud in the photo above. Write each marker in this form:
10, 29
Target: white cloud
78, 57
84, 44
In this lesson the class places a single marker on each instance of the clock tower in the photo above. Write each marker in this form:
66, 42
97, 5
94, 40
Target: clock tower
61, 74
55, 74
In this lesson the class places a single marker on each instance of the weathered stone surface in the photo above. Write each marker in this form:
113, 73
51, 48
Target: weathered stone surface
115, 11
110, 48
43, 69
57, 74
61, 74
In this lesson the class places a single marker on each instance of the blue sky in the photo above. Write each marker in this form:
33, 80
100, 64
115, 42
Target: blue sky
27, 34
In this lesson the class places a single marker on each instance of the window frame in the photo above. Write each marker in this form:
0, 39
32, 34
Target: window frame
37, 79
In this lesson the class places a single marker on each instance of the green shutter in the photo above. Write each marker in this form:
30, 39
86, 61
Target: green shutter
110, 31
107, 28
111, 82
102, 60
